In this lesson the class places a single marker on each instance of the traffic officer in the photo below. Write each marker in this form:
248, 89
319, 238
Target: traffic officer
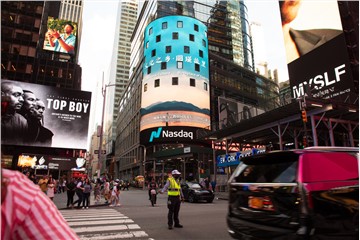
175, 196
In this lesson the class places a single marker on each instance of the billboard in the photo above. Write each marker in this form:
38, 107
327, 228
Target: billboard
176, 89
315, 49
60, 36
38, 115
38, 161
168, 134
232, 112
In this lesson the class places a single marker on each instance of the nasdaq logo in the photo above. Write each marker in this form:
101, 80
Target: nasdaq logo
155, 134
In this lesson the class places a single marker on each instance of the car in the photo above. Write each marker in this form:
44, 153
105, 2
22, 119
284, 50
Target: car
194, 192
312, 193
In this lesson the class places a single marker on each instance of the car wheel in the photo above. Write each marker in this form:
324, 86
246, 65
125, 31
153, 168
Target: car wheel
191, 198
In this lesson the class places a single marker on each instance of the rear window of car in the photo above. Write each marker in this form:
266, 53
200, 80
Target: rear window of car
281, 172
329, 166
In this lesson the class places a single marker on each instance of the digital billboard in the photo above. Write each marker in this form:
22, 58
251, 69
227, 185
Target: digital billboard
38, 161
175, 86
232, 112
316, 51
38, 115
60, 36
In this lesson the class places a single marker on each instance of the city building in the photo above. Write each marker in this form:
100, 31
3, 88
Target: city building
141, 146
34, 59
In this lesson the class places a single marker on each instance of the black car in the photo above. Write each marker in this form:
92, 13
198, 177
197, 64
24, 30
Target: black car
306, 194
194, 192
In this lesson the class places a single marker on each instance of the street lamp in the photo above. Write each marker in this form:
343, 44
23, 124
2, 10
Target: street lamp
103, 91
144, 162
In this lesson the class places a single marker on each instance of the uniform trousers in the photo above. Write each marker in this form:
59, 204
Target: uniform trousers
174, 208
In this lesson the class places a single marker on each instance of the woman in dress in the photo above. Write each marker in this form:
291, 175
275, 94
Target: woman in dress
51, 188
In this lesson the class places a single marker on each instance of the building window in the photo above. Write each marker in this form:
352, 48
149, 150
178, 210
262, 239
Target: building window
192, 82
163, 65
179, 64
149, 70
158, 38
164, 25
147, 44
175, 35
204, 43
186, 49
145, 87
153, 52
197, 67
205, 86
201, 53
191, 37
196, 27
150, 31
157, 83
175, 81
168, 49
179, 24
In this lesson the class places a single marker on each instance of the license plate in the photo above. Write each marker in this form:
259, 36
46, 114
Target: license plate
255, 202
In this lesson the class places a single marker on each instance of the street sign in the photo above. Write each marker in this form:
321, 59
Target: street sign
97, 151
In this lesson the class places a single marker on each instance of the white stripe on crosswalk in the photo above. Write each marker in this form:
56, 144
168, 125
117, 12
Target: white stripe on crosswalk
89, 223
102, 224
122, 235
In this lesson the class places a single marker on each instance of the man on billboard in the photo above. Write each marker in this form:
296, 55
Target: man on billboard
29, 103
14, 126
64, 42
300, 42
38, 134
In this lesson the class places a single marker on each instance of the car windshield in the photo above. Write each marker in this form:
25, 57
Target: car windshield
194, 185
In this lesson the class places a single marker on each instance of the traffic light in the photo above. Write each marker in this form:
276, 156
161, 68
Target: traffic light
305, 144
303, 116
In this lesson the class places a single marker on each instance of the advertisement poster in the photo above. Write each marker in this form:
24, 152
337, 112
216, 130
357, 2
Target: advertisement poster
60, 36
38, 115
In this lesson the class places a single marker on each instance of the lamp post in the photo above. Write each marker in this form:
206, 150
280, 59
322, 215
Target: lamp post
103, 91
144, 162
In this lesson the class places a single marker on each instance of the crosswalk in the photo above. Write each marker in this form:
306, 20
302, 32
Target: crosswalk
102, 224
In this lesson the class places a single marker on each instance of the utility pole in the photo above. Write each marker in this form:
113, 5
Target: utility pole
103, 92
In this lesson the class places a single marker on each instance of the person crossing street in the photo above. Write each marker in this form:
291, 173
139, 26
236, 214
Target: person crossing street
175, 196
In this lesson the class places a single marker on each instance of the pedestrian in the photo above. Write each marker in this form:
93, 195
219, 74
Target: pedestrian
97, 192
70, 191
107, 193
63, 185
86, 193
79, 191
43, 183
51, 189
175, 196
25, 211
213, 185
114, 195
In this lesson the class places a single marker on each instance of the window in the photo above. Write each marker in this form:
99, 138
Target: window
175, 81
196, 27
168, 49
153, 52
192, 82
186, 49
205, 86
164, 25
163, 65
145, 87
157, 83
147, 44
179, 64
201, 53
150, 31
191, 37
197, 67
158, 38
149, 70
179, 24
203, 43
175, 35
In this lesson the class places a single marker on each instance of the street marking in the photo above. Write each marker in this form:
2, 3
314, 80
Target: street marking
89, 223
121, 235
68, 219
100, 228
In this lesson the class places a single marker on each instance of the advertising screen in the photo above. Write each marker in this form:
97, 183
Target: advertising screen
176, 89
38, 161
38, 115
315, 49
60, 36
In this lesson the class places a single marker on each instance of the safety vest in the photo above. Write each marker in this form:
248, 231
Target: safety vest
174, 188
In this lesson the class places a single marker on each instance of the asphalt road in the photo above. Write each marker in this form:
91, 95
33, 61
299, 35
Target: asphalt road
200, 220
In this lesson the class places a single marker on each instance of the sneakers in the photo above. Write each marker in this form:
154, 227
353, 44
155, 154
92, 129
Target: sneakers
83, 207
118, 205
178, 226
170, 227
111, 205
87, 207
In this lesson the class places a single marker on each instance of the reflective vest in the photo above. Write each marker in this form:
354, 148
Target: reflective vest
174, 188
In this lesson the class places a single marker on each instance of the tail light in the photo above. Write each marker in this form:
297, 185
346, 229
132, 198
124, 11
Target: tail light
262, 203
